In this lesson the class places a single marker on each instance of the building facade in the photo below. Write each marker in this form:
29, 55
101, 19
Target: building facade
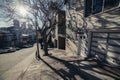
96, 35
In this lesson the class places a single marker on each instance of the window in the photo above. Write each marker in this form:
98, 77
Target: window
97, 6
88, 7
108, 4
70, 3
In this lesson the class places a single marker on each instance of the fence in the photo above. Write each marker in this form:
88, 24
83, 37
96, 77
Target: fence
105, 45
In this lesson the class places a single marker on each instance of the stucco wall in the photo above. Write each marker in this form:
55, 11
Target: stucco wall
108, 21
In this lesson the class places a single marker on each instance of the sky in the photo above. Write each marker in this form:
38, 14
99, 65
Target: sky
5, 24
21, 10
3, 21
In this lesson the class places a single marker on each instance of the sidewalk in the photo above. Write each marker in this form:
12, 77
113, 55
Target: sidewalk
63, 66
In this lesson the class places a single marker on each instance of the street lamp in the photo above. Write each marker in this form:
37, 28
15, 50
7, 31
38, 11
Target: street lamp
24, 13
36, 27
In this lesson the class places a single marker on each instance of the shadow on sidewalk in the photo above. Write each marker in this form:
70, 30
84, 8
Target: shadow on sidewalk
78, 70
73, 71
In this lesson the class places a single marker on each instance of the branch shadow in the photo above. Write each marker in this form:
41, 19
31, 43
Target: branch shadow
73, 70
106, 20
77, 69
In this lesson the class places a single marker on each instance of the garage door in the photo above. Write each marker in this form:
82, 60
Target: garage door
105, 45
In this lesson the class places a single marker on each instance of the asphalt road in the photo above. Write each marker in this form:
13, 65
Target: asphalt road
9, 60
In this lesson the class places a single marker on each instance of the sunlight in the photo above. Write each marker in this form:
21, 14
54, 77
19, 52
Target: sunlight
22, 11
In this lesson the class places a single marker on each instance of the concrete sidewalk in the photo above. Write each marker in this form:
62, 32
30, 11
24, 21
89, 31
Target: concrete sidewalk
60, 65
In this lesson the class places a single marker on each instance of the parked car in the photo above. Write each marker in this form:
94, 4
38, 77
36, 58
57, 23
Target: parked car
11, 49
3, 51
27, 46
7, 49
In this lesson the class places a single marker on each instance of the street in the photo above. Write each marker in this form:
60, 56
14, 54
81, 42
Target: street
59, 39
10, 60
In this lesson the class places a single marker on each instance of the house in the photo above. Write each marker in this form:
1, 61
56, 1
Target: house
96, 35
6, 40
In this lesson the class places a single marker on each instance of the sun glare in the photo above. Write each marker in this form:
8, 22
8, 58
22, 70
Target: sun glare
23, 11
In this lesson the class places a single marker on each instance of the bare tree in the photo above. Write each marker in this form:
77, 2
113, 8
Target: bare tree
44, 13
7, 9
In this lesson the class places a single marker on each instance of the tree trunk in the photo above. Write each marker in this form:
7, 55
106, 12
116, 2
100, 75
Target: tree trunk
45, 48
45, 43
